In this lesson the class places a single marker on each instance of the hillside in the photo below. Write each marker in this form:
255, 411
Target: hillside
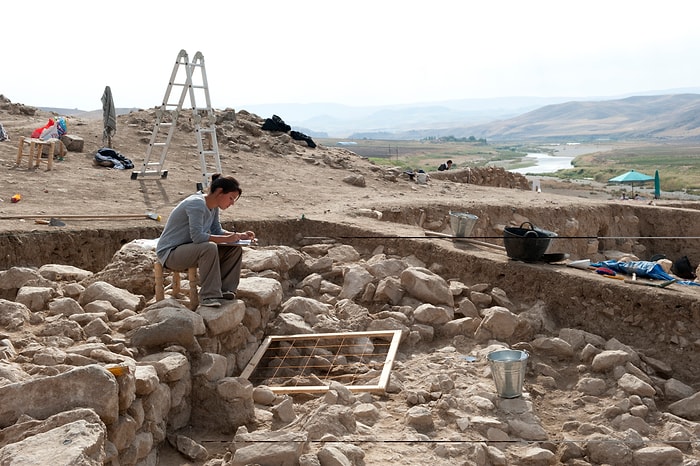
661, 118
671, 116
643, 117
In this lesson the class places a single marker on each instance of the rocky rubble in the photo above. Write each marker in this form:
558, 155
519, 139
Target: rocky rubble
485, 176
94, 373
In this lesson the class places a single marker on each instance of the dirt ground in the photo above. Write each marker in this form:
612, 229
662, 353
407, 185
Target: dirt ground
282, 179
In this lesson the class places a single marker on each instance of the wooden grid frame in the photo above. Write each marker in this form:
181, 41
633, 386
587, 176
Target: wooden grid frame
308, 363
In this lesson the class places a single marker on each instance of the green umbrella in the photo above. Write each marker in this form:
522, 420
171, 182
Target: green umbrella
657, 186
631, 177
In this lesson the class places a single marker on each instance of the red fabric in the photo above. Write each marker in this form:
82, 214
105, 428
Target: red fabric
37, 132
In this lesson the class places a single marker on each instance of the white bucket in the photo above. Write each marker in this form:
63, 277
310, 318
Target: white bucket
508, 371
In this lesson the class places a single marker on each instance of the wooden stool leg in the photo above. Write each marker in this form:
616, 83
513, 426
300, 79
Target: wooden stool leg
20, 151
34, 153
194, 295
52, 148
176, 284
158, 273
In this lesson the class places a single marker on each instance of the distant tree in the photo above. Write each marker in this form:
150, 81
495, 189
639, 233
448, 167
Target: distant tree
452, 138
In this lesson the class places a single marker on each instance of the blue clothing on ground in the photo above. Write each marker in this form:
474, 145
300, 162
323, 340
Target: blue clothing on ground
643, 269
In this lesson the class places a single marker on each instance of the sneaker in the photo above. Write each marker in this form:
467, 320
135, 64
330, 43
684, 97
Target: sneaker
211, 302
228, 295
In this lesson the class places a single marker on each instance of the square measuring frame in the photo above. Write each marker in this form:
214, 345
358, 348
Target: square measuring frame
315, 360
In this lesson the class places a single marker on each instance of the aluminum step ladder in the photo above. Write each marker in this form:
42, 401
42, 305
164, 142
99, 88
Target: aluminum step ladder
190, 79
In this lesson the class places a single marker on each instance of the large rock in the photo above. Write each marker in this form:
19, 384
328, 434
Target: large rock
87, 387
13, 315
688, 408
498, 323
259, 260
355, 279
168, 325
343, 253
303, 307
608, 359
73, 143
35, 297
169, 366
433, 315
226, 318
383, 268
17, 277
389, 290
264, 293
131, 268
282, 448
289, 324
225, 404
28, 427
427, 286
59, 272
79, 442
119, 298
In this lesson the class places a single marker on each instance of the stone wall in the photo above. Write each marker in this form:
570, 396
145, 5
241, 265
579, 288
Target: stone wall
141, 370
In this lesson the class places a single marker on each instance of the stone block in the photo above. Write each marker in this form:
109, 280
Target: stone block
73, 143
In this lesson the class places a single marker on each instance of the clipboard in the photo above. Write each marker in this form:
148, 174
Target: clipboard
241, 242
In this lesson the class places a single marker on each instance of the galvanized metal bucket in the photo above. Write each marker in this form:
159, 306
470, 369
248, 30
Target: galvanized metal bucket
508, 371
462, 224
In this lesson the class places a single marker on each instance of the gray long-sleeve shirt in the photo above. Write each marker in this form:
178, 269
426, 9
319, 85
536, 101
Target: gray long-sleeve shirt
191, 221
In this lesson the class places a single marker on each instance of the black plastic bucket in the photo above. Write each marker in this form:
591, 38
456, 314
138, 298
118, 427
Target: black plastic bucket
526, 244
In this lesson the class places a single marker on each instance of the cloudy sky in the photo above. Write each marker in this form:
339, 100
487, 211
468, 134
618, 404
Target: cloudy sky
360, 53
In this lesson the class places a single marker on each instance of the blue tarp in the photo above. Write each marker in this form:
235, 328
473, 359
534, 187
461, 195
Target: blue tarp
643, 269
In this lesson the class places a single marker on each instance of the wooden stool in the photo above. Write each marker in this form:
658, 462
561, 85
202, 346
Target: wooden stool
31, 145
159, 271
36, 148
51, 144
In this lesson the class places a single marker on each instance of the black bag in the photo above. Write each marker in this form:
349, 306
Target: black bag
276, 124
107, 157
682, 268
296, 135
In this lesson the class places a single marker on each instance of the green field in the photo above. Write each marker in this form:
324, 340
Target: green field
678, 163
427, 155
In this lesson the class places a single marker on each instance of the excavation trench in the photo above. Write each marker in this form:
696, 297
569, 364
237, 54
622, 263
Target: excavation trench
664, 323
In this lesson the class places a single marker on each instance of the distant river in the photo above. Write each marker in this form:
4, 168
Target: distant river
544, 163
